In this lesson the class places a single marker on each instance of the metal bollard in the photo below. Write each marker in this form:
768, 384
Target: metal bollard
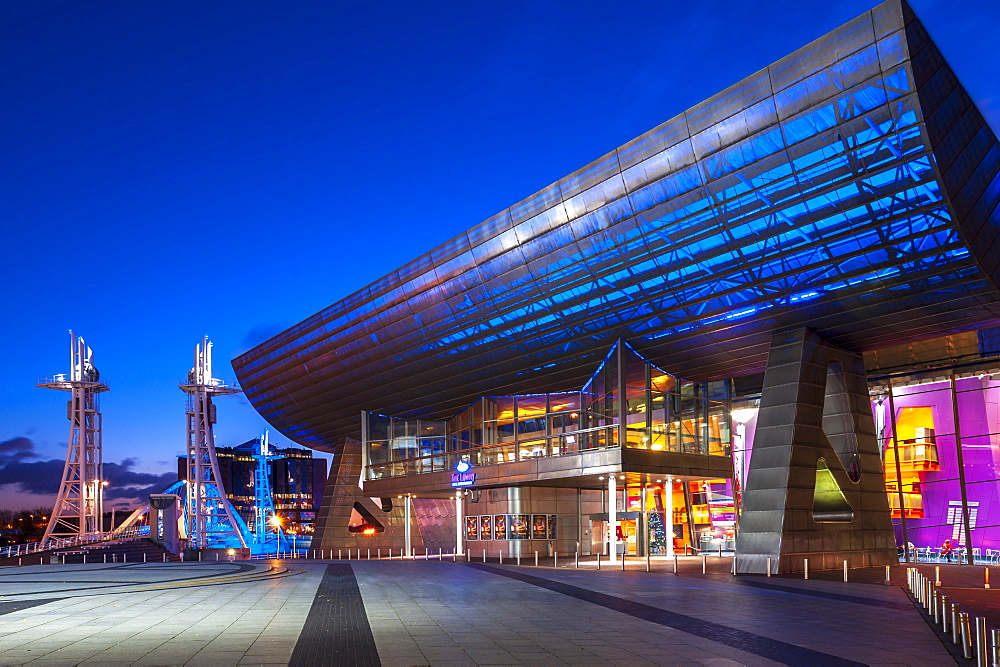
501, 555
886, 582
647, 559
164, 558
927, 594
953, 614
994, 648
845, 571
536, 559
982, 646
555, 559
704, 564
484, 555
720, 548
106, 558
339, 554
426, 554
519, 557
623, 562
945, 602
934, 604
675, 564
963, 618
598, 560
805, 568
769, 566
937, 575
576, 560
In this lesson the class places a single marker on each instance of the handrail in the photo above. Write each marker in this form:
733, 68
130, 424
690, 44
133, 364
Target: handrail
52, 544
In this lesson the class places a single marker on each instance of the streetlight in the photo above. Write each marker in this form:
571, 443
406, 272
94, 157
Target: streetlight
276, 522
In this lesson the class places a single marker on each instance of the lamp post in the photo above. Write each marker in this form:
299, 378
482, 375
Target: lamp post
276, 522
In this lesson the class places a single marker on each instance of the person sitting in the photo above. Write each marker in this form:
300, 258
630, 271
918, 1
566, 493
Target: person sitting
947, 550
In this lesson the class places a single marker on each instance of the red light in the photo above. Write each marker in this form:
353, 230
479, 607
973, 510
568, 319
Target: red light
368, 531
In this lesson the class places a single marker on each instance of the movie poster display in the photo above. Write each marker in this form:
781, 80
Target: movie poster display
472, 527
500, 527
486, 527
539, 526
519, 526
552, 526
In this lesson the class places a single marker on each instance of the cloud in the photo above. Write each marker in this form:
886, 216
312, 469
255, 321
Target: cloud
261, 333
20, 471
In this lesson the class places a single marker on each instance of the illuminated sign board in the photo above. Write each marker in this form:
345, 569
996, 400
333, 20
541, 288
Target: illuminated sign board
463, 475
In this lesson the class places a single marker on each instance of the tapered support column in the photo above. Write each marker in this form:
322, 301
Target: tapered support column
612, 518
815, 488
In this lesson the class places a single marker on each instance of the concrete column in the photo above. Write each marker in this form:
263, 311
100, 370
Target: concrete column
642, 532
406, 530
612, 519
459, 524
668, 507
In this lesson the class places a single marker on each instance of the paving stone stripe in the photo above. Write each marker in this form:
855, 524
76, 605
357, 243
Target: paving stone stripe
765, 647
839, 597
336, 631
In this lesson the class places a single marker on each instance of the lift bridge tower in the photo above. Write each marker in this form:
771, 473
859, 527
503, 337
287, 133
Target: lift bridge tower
210, 521
78, 510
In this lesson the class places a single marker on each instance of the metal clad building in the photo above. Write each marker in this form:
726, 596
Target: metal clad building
851, 187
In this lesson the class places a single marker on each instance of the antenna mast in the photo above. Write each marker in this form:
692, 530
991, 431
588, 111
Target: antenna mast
210, 515
78, 509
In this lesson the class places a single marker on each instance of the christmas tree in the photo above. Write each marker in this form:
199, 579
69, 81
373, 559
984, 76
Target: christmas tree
657, 533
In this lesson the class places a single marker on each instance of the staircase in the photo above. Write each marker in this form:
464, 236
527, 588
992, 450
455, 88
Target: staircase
135, 550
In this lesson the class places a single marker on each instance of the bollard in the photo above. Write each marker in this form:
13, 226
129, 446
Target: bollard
426, 552
598, 560
339, 554
934, 604
945, 601
845, 571
953, 614
199, 556
982, 646
963, 619
348, 554
378, 554
440, 554
675, 564
929, 588
19, 560
886, 582
805, 568
519, 557
555, 559
143, 557
106, 558
484, 555
734, 565
501, 556
994, 648
704, 564
164, 558
536, 559
769, 566
986, 578
576, 560
647, 559
64, 559
720, 548
937, 575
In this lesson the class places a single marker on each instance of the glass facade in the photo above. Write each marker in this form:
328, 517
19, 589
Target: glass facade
626, 402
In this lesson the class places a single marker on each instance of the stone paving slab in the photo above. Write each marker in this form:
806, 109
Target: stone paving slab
444, 613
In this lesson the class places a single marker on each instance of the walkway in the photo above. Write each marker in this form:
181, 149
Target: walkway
438, 613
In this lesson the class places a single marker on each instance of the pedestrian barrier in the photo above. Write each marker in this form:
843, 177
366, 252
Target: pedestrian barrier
971, 634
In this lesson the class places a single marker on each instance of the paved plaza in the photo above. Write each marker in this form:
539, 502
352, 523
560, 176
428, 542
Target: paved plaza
438, 613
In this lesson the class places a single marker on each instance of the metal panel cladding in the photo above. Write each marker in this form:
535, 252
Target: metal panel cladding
850, 187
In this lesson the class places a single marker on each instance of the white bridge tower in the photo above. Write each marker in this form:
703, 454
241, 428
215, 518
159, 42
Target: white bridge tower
210, 521
78, 509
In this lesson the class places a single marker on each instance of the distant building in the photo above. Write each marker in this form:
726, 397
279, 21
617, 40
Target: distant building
297, 481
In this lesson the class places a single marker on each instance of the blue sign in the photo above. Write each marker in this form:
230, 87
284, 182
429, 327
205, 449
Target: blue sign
462, 475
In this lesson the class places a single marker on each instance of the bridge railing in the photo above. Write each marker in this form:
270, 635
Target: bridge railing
51, 544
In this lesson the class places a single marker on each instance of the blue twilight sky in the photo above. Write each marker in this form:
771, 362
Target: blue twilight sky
185, 168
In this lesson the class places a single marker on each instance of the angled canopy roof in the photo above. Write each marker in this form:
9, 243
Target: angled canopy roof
850, 187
